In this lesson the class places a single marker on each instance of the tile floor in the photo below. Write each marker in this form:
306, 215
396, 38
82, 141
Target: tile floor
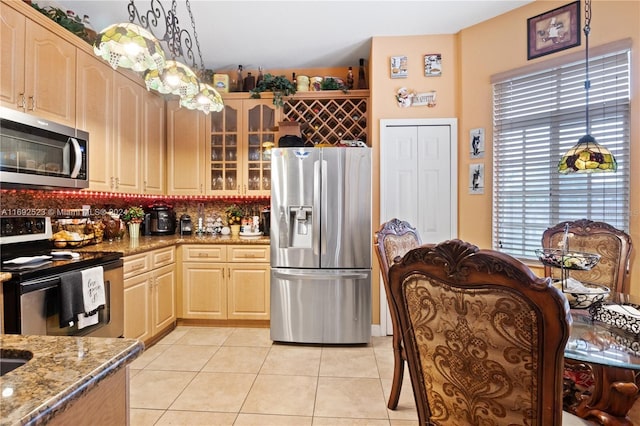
238, 376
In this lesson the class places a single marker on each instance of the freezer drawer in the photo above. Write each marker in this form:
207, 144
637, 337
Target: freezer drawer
321, 306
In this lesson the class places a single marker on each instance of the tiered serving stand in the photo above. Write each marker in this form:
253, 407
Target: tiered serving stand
567, 260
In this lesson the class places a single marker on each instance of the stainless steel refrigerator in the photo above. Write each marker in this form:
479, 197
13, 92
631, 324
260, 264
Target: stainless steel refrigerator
321, 245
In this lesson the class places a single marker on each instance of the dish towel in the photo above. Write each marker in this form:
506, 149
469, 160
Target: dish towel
93, 296
82, 294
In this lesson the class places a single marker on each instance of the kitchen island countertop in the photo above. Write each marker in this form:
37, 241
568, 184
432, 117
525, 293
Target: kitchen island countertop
61, 370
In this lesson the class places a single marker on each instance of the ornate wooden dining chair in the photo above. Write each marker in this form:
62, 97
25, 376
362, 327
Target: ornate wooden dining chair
613, 245
484, 337
392, 241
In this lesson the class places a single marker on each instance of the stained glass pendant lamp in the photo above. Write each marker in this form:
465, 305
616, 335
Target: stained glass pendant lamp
130, 46
176, 79
208, 100
587, 156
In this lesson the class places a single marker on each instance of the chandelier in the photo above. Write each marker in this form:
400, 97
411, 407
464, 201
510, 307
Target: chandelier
136, 46
587, 156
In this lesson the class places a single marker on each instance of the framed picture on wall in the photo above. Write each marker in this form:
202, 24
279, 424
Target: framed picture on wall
399, 68
555, 30
476, 178
433, 65
476, 143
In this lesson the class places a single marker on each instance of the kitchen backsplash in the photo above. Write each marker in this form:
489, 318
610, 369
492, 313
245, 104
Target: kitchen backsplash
59, 203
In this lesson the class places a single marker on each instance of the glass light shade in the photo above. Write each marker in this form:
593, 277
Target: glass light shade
176, 79
128, 45
207, 100
587, 156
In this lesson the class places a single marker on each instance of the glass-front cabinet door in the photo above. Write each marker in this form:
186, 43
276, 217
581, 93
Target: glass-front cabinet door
225, 149
241, 137
260, 125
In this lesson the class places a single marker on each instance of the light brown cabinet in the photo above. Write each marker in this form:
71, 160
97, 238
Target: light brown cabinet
38, 69
186, 172
238, 164
153, 144
224, 282
149, 293
95, 115
126, 129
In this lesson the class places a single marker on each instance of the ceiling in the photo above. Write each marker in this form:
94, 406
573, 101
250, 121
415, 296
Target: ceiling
299, 34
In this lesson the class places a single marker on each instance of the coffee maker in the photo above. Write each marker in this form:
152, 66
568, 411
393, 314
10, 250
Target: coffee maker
185, 226
265, 221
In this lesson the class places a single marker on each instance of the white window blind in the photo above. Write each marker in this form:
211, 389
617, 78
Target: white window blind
536, 118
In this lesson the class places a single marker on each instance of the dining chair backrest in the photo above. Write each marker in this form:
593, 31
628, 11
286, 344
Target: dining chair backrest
613, 245
484, 336
394, 238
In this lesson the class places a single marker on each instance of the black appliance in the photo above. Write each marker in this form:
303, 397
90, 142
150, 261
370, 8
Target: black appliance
32, 294
39, 153
265, 221
160, 219
186, 226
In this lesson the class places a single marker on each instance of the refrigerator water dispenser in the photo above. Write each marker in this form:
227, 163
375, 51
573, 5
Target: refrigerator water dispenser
300, 220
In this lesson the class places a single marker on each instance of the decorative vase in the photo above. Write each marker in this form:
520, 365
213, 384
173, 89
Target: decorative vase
134, 231
235, 229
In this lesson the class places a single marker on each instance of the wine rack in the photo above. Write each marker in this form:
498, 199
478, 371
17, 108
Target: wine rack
329, 117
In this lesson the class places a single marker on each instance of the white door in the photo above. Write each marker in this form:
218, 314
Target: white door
418, 181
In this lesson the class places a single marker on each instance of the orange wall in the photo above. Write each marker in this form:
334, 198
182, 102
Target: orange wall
470, 58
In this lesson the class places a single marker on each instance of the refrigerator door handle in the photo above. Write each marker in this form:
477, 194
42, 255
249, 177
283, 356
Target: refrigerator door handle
315, 224
319, 276
324, 214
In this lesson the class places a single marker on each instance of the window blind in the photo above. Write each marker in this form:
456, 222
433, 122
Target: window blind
537, 117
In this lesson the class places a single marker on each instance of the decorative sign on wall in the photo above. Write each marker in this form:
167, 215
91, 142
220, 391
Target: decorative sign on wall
476, 143
476, 178
399, 68
407, 98
433, 65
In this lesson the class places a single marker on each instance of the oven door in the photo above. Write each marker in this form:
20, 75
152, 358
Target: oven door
38, 306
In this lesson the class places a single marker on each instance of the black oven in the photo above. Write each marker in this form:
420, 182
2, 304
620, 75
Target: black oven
32, 297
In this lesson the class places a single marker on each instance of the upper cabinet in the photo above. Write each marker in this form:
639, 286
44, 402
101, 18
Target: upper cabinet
126, 129
38, 72
185, 150
95, 115
153, 144
237, 140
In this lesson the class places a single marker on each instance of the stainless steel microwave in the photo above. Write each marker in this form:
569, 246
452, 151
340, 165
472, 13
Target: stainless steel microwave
38, 153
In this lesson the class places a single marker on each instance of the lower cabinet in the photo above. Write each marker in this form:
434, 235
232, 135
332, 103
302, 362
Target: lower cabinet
149, 293
224, 282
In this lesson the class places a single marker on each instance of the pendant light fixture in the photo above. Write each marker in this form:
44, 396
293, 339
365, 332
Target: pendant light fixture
129, 46
135, 46
587, 156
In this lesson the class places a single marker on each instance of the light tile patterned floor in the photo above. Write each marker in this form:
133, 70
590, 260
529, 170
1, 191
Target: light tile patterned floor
238, 376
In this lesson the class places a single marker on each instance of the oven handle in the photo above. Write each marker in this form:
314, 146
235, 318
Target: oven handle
54, 281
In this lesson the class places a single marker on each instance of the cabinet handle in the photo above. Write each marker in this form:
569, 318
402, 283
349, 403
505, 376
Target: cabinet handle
33, 103
201, 188
203, 254
22, 102
117, 183
112, 186
136, 267
144, 186
164, 259
249, 255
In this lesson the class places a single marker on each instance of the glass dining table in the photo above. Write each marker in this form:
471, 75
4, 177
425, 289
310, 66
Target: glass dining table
609, 348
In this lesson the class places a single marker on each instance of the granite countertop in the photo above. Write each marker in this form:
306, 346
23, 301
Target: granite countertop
61, 370
151, 242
